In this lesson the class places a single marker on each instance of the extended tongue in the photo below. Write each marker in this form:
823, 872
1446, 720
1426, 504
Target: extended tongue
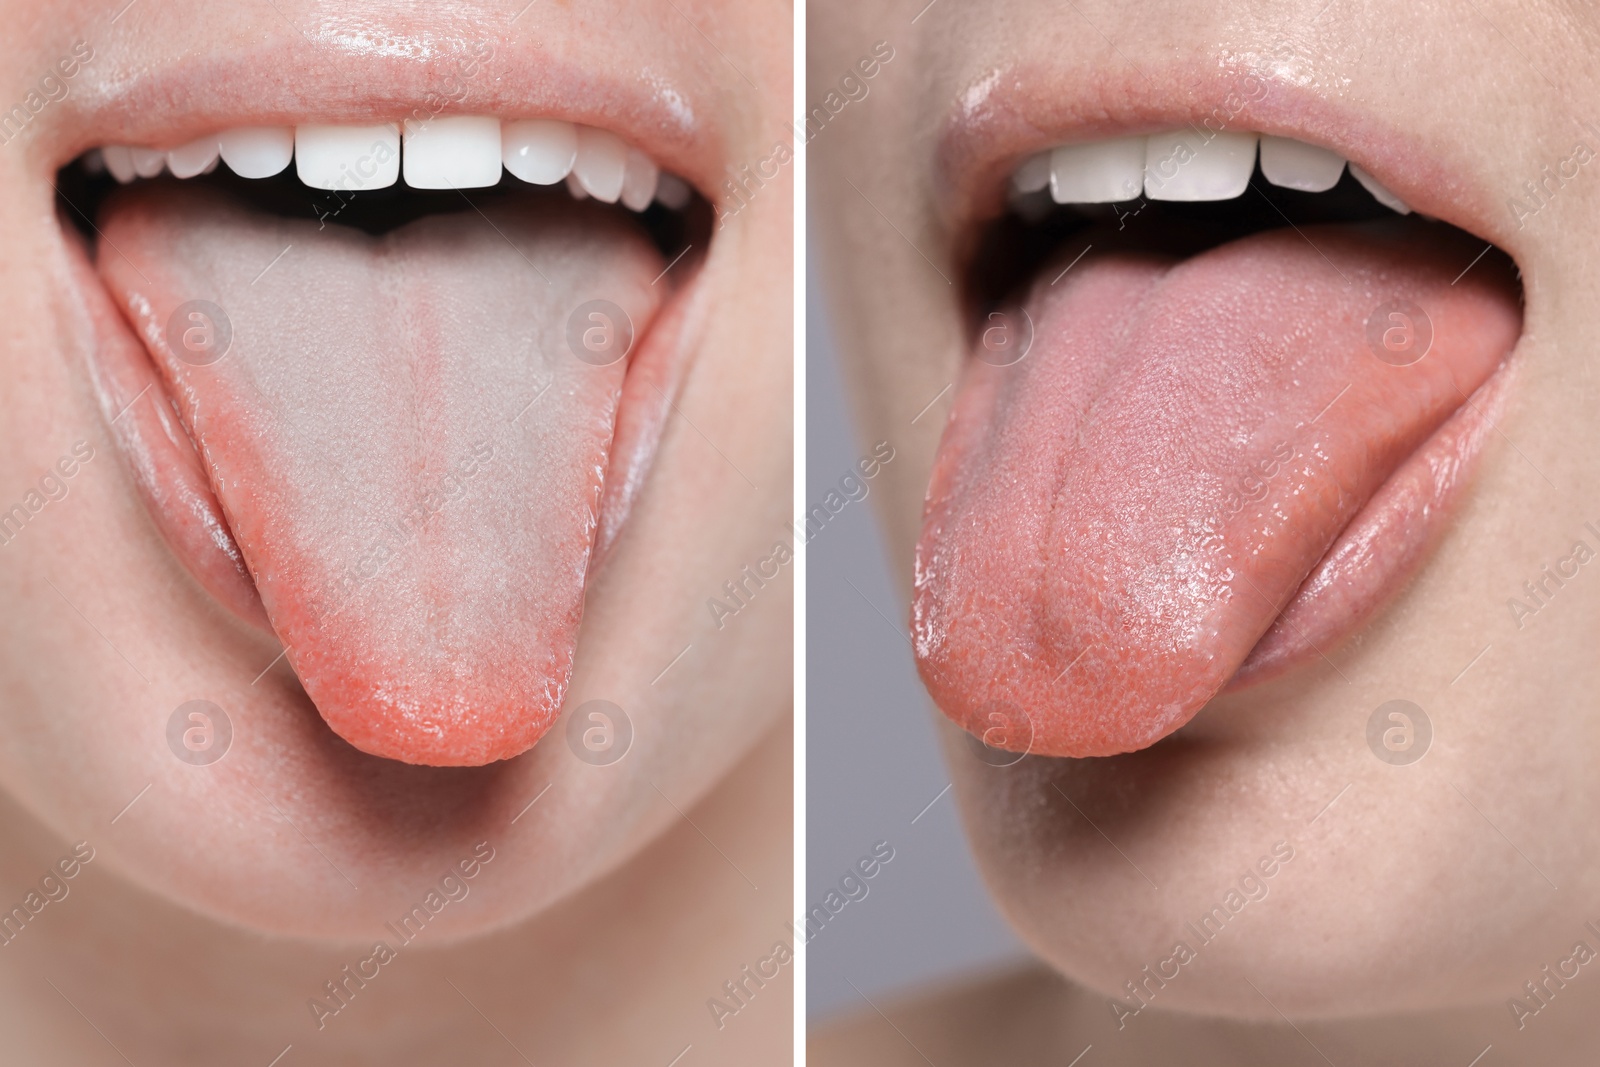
406, 445
1114, 521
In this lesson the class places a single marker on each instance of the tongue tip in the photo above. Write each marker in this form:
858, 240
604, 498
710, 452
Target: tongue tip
1058, 738
1076, 706
438, 742
427, 714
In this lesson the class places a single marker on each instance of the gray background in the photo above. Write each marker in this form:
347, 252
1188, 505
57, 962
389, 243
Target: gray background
873, 763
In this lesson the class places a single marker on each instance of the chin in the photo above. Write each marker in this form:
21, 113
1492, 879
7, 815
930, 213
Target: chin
1257, 865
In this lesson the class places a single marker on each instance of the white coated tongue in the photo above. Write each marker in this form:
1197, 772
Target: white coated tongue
404, 439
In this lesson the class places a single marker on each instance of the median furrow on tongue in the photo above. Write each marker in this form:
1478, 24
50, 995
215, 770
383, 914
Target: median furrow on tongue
408, 451
1114, 521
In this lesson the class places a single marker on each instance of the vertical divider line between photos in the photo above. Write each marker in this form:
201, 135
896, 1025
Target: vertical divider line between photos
801, 565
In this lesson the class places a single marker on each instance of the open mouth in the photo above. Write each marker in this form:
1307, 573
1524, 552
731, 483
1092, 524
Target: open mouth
388, 389
1225, 392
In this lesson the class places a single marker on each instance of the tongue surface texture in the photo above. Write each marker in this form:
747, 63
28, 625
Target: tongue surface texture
1115, 521
406, 448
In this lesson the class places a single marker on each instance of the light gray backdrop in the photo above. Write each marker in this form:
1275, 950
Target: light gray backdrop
873, 765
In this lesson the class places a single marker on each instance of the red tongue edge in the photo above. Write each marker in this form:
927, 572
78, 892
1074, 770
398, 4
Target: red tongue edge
1115, 521
419, 535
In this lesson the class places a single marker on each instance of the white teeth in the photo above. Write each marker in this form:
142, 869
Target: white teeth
1294, 164
672, 191
601, 163
1034, 174
147, 162
639, 179
1182, 165
194, 158
347, 158
1100, 172
452, 152
1379, 193
539, 151
257, 151
119, 161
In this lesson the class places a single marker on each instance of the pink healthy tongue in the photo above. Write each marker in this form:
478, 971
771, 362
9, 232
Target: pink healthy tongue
1114, 521
419, 533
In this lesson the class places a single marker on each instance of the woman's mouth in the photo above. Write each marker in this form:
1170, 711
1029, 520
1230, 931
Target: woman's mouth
1222, 401
388, 380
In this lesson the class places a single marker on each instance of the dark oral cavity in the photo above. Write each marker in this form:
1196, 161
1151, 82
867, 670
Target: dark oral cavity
407, 450
1116, 521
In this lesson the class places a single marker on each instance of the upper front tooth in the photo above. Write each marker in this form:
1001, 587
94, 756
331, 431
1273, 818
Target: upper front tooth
186, 161
575, 187
452, 152
639, 180
119, 161
601, 163
1100, 172
1181, 165
1379, 192
540, 151
1296, 165
348, 158
256, 151
147, 162
1034, 174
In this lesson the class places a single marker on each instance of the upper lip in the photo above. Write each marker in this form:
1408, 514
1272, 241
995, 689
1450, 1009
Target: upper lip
337, 76
1011, 114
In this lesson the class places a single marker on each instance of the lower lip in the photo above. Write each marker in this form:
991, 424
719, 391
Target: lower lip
1384, 546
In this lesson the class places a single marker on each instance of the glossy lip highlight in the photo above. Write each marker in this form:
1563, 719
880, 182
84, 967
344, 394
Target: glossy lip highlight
1384, 545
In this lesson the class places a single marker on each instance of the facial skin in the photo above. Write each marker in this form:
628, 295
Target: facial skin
221, 897
1440, 886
